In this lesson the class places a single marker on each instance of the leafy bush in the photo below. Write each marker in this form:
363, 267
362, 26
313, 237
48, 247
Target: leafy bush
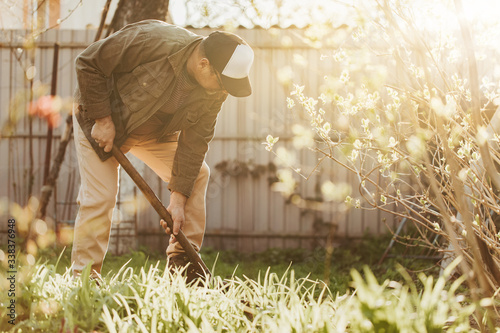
419, 130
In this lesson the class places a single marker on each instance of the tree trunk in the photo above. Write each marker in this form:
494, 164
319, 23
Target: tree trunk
130, 11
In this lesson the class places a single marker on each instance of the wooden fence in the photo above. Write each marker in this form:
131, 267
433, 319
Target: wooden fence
243, 212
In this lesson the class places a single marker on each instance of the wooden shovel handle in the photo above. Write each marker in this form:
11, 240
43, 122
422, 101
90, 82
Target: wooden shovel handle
159, 207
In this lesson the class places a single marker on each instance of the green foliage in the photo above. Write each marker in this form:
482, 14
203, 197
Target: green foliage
395, 307
49, 300
409, 108
276, 290
151, 300
348, 255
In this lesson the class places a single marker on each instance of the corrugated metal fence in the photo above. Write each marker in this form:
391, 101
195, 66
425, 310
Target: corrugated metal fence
243, 213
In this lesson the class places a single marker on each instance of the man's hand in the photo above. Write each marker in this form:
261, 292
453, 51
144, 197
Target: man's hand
176, 210
103, 132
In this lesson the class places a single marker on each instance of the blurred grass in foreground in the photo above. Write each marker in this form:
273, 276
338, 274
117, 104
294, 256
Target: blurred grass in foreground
264, 293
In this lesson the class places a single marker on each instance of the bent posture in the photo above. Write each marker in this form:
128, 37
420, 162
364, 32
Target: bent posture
154, 90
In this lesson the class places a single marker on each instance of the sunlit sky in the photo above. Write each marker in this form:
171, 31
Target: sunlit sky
300, 12
432, 14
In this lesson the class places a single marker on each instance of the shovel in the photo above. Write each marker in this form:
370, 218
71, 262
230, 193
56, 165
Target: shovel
193, 256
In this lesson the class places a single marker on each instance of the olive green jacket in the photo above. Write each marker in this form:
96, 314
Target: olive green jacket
130, 75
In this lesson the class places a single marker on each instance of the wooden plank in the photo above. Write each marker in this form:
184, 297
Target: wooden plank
5, 71
4, 179
276, 219
259, 112
230, 204
19, 86
215, 191
246, 205
295, 217
264, 74
260, 107
261, 195
355, 216
265, 78
310, 220
280, 117
244, 155
66, 65
228, 118
67, 186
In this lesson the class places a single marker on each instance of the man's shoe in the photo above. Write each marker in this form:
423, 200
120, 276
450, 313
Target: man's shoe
192, 272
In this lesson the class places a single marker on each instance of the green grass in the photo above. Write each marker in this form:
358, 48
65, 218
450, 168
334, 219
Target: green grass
273, 291
347, 256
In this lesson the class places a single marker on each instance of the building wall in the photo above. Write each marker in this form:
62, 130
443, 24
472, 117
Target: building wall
243, 212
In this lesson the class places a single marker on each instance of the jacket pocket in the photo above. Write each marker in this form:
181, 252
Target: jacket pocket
193, 114
141, 87
192, 117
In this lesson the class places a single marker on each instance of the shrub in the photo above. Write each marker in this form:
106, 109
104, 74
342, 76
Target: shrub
414, 129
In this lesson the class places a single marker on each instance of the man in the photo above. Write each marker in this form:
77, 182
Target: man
154, 90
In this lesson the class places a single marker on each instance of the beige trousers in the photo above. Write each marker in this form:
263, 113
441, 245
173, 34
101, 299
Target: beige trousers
99, 188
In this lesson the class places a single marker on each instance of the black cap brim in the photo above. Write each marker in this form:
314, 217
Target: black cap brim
237, 87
